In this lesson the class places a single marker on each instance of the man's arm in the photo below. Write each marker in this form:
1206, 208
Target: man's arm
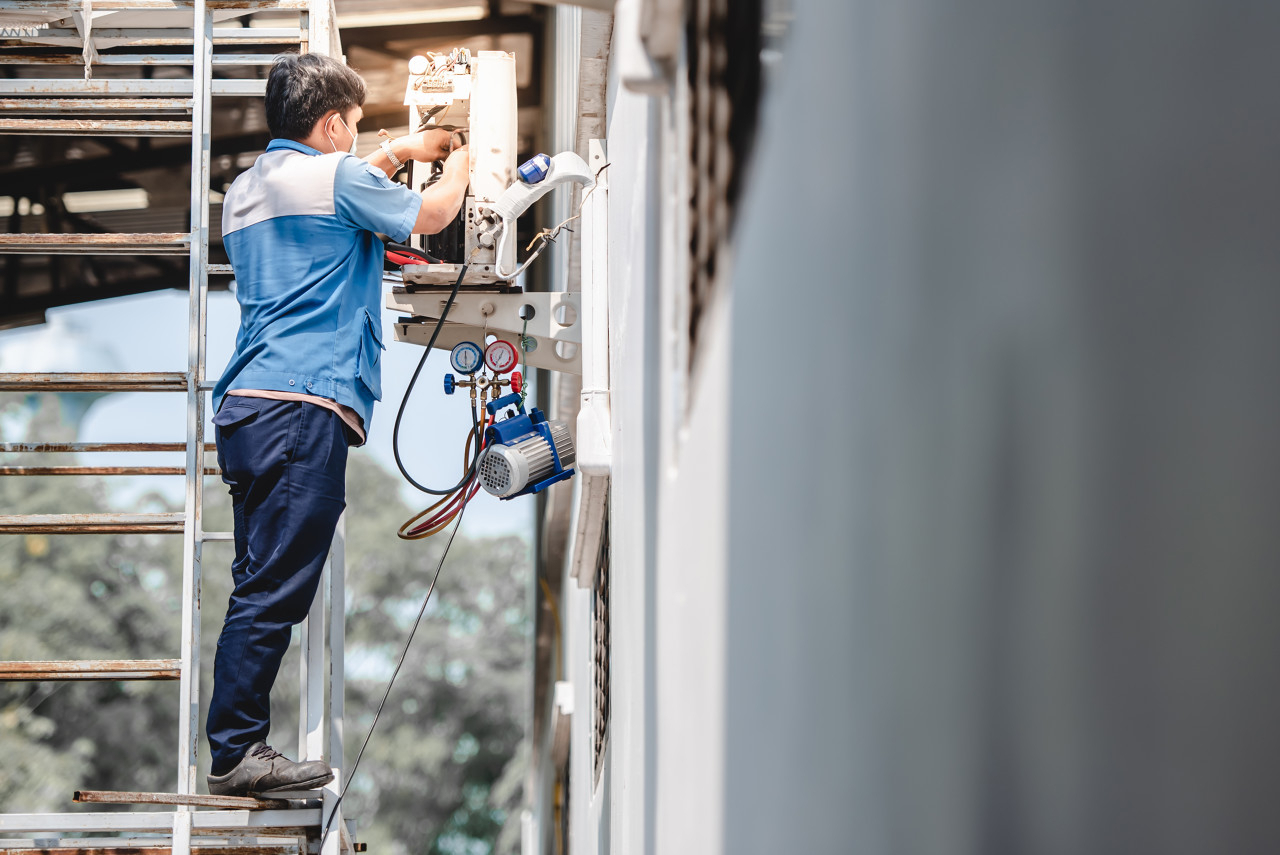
423, 147
442, 200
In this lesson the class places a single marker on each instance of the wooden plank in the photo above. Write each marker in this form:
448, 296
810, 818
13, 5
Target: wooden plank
100, 470
278, 822
94, 127
78, 447
168, 87
244, 844
68, 6
91, 669
116, 797
134, 59
71, 381
161, 243
149, 106
91, 523
274, 849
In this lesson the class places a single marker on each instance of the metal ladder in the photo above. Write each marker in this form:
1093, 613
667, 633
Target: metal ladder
111, 107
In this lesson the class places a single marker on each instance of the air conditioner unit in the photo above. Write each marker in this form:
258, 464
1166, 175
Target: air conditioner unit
473, 96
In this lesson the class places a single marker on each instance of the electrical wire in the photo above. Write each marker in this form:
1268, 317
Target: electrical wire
391, 682
524, 351
395, 433
555, 614
547, 236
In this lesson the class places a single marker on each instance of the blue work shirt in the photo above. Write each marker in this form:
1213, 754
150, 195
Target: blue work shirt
299, 229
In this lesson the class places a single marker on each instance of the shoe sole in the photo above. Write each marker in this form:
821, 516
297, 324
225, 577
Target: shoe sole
311, 784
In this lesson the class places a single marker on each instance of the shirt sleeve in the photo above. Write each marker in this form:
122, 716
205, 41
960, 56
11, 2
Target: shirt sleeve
364, 196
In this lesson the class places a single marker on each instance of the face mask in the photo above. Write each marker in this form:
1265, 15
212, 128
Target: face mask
351, 150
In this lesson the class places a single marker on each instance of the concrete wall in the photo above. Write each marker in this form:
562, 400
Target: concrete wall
1020, 594
964, 539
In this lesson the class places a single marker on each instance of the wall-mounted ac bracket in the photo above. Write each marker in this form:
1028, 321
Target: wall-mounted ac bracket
555, 326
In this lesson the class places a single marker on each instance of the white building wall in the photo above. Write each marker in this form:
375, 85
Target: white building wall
634, 147
677, 455
979, 556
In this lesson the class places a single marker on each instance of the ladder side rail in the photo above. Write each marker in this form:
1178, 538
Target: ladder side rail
311, 718
320, 25
192, 546
336, 842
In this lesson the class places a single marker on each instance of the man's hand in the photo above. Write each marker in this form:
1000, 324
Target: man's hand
430, 145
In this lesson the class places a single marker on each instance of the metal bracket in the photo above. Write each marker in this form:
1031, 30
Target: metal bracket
555, 327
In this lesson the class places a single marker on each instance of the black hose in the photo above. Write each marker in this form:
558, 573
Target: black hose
475, 425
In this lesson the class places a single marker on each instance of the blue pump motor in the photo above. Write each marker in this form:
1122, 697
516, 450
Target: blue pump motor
526, 452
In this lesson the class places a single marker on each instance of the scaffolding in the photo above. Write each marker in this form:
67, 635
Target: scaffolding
32, 104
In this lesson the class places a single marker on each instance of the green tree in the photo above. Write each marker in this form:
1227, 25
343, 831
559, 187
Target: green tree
83, 597
443, 771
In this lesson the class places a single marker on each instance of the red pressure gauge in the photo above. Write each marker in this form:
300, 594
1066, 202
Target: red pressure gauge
500, 357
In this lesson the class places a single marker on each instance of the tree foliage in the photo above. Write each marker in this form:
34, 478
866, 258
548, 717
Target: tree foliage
443, 770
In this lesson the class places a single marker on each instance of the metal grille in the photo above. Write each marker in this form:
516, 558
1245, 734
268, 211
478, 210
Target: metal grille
724, 41
495, 474
600, 621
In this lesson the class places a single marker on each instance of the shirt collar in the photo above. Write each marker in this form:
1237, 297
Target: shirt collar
278, 144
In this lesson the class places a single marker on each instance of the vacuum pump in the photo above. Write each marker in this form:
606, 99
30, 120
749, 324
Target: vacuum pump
525, 452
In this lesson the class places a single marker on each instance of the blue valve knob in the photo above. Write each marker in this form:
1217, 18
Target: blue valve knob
449, 385
534, 169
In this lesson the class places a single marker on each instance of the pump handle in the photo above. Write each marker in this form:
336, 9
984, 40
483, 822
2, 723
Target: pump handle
505, 400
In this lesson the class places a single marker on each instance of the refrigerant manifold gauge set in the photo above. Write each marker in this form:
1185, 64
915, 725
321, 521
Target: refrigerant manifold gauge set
523, 452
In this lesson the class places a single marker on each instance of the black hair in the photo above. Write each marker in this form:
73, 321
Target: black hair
303, 87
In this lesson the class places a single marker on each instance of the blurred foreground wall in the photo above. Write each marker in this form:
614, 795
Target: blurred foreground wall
1005, 578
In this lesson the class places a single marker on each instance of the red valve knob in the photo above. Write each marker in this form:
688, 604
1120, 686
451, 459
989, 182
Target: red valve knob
516, 381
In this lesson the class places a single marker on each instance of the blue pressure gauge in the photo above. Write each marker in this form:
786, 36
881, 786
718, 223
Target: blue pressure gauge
466, 358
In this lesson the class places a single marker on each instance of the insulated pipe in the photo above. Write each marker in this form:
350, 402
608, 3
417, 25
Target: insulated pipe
565, 167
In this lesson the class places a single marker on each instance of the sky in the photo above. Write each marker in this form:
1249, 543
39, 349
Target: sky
149, 333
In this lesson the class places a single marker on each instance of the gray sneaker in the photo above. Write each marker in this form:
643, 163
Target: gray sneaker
263, 770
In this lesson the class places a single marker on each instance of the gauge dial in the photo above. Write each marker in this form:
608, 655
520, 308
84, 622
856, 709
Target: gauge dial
466, 358
501, 356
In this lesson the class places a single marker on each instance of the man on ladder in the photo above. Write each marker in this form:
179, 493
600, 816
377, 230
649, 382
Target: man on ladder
300, 228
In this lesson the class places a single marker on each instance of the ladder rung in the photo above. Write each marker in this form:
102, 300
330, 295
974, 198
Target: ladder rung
219, 269
134, 59
112, 797
264, 844
77, 447
91, 669
148, 846
102, 127
296, 821
77, 86
68, 381
149, 106
169, 243
109, 37
101, 470
236, 843
69, 6
219, 536
91, 523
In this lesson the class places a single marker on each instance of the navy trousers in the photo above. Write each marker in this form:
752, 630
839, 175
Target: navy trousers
285, 464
